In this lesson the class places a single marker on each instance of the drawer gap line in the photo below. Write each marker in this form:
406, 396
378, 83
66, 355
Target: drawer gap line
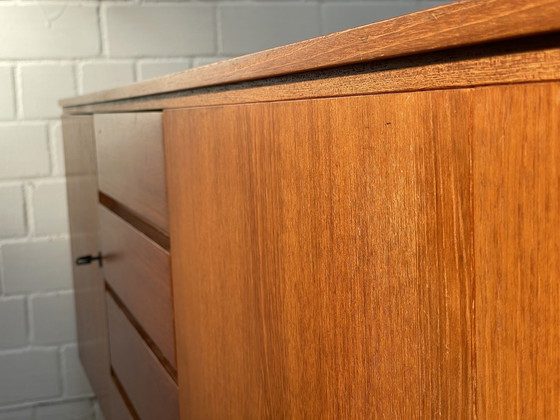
124, 395
159, 237
149, 342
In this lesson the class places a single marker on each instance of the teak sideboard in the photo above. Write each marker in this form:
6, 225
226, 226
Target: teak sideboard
358, 226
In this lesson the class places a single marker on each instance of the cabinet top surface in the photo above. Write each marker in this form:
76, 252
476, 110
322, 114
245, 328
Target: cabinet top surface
458, 24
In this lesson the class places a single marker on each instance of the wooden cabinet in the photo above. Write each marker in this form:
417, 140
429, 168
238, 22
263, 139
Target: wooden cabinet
366, 233
347, 257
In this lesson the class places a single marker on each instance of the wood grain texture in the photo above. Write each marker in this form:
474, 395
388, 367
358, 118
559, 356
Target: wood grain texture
130, 161
150, 389
517, 218
321, 257
529, 60
138, 271
452, 25
81, 187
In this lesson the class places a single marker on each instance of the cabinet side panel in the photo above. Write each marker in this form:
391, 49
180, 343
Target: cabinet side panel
322, 257
81, 172
517, 237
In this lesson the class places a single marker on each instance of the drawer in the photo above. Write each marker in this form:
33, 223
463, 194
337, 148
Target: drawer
137, 269
131, 164
149, 387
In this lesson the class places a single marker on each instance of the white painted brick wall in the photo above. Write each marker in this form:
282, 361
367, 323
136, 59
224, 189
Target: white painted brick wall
7, 100
152, 30
50, 208
100, 76
25, 414
240, 22
24, 151
36, 266
51, 49
48, 30
29, 374
79, 410
12, 211
338, 16
74, 380
40, 86
52, 316
13, 322
148, 69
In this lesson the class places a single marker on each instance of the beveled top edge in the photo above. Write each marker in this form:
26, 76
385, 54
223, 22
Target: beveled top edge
462, 23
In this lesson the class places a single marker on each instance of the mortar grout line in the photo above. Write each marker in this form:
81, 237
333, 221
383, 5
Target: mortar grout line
44, 402
28, 194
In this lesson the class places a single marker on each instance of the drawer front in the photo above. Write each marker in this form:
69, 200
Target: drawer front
131, 166
149, 387
137, 269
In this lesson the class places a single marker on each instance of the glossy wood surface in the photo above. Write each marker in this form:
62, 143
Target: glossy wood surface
131, 163
138, 271
91, 319
452, 25
150, 389
516, 184
322, 257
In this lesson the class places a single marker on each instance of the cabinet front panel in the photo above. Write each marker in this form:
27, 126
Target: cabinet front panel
322, 257
131, 163
81, 183
516, 181
149, 387
137, 269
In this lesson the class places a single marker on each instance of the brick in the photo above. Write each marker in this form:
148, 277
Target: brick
247, 28
161, 68
53, 318
75, 410
101, 76
25, 414
28, 375
345, 15
37, 266
74, 376
428, 4
7, 101
31, 31
434, 2
24, 151
43, 86
50, 210
12, 212
160, 30
13, 329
